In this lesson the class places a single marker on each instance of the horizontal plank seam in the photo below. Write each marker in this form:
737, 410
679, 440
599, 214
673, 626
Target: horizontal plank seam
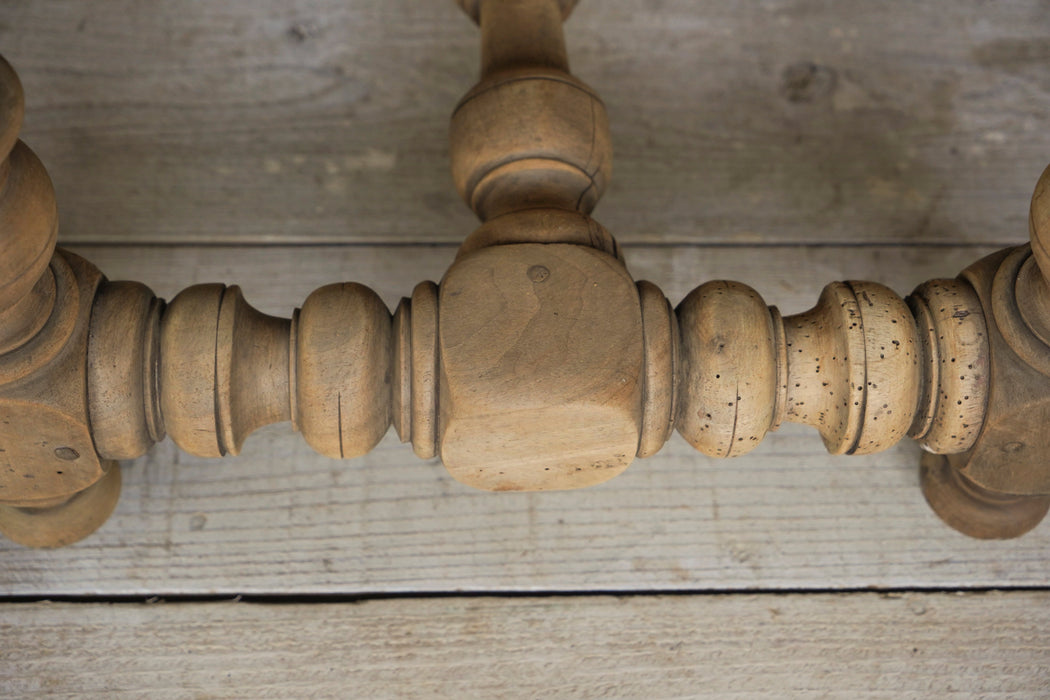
328, 598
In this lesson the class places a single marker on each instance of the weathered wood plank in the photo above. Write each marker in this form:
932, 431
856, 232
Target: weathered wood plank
994, 645
280, 519
735, 122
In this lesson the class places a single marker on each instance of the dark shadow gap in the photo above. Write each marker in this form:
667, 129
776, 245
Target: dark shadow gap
350, 598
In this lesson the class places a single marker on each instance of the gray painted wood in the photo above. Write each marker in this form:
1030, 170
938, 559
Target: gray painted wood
652, 647
846, 126
281, 520
326, 120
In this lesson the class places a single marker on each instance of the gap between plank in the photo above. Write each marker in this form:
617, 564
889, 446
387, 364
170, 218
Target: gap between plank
329, 598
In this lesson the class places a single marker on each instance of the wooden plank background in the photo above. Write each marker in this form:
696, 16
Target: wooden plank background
326, 120
900, 646
280, 519
285, 145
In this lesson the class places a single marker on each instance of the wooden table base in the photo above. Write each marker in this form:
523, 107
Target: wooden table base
537, 362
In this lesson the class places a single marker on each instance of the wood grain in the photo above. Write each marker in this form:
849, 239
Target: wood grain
830, 646
281, 519
327, 120
834, 124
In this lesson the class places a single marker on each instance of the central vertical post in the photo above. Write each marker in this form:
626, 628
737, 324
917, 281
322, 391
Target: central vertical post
518, 33
541, 353
529, 135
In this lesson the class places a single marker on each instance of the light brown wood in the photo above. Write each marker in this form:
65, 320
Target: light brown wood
528, 369
858, 645
341, 374
1039, 222
415, 370
853, 367
188, 375
660, 389
542, 226
425, 369
221, 370
123, 363
282, 519
48, 461
29, 221
30, 224
1005, 464
973, 509
1001, 485
521, 33
954, 340
707, 151
529, 135
542, 367
69, 519
878, 367
728, 382
51, 490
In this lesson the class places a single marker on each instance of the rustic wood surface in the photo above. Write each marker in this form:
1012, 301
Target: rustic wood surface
781, 144
327, 120
738, 646
280, 519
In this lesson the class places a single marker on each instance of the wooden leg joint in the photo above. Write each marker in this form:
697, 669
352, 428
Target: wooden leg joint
43, 412
542, 365
538, 362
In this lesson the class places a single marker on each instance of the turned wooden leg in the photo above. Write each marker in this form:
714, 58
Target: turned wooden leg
54, 487
537, 362
999, 487
557, 369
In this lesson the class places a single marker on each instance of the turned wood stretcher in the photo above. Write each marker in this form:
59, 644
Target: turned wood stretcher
537, 362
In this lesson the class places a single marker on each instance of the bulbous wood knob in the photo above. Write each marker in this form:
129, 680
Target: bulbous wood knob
223, 370
530, 139
342, 370
860, 367
728, 377
529, 135
209, 370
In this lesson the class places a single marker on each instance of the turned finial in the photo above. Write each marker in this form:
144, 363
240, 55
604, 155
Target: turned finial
529, 135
